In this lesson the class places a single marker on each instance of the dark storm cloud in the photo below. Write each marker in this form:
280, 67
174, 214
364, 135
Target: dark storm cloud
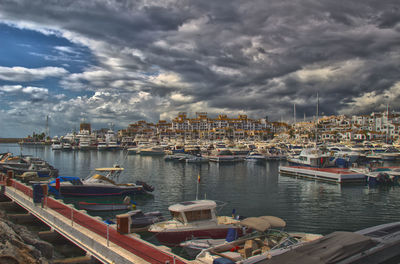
254, 56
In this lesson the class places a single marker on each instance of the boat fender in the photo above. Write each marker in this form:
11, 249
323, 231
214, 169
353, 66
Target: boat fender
57, 183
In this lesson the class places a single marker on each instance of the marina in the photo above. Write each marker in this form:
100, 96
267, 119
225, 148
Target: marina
250, 188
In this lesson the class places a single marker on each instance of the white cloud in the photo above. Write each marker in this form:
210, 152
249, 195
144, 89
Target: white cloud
11, 88
168, 79
181, 98
22, 74
35, 90
194, 25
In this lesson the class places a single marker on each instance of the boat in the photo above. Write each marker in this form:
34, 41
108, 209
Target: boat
267, 240
222, 156
380, 175
152, 151
256, 157
56, 146
106, 207
193, 219
193, 247
144, 220
310, 157
197, 159
22, 164
67, 146
377, 244
111, 140
133, 150
102, 145
96, 185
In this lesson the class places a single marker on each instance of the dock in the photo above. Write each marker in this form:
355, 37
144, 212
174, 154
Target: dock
99, 240
332, 175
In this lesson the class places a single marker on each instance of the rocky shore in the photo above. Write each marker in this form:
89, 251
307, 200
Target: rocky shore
18, 245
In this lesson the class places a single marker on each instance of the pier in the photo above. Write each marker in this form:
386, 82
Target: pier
332, 175
99, 240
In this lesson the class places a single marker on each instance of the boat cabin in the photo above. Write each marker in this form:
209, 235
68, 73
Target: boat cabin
193, 211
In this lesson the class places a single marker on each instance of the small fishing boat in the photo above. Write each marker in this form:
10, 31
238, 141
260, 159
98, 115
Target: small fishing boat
191, 219
144, 220
141, 221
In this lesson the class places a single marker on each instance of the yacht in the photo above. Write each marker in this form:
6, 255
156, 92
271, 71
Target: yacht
310, 157
57, 145
102, 145
256, 157
152, 151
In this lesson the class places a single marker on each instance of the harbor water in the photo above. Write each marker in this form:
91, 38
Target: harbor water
250, 189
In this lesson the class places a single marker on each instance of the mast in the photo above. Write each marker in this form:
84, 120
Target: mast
47, 126
294, 114
387, 122
316, 121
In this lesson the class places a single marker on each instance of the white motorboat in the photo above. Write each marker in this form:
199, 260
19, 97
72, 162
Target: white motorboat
255, 156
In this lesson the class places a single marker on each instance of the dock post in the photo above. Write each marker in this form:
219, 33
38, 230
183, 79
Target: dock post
72, 217
108, 235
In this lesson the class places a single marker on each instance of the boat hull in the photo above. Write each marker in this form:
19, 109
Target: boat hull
175, 237
102, 207
82, 190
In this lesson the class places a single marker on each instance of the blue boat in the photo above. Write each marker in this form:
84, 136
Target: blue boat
97, 185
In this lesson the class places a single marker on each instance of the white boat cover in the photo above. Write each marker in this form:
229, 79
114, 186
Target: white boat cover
331, 248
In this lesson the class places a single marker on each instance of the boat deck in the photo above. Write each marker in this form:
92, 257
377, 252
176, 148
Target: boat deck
334, 175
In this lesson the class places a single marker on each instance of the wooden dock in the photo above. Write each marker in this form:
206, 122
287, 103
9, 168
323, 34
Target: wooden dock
333, 175
98, 239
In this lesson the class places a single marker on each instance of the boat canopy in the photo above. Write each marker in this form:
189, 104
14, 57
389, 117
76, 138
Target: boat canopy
193, 206
109, 169
103, 178
263, 223
332, 248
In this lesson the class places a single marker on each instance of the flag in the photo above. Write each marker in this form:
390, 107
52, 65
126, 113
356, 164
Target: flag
198, 178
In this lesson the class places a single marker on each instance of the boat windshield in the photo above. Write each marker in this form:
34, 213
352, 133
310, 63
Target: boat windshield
177, 216
198, 215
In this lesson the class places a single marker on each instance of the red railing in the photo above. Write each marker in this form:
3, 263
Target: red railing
140, 249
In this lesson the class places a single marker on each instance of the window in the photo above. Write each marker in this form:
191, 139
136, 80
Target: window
198, 215
177, 216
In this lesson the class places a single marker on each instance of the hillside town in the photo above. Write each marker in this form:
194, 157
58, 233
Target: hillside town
377, 126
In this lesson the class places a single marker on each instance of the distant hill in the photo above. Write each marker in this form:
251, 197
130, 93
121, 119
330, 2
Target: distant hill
10, 140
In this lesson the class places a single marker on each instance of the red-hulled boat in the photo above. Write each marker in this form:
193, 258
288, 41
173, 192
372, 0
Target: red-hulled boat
193, 219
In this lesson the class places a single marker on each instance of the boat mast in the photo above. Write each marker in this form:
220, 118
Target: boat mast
387, 122
316, 121
47, 127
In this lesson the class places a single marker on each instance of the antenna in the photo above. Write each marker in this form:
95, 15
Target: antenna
47, 126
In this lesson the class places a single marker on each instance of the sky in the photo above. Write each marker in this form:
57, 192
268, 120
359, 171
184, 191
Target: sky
115, 62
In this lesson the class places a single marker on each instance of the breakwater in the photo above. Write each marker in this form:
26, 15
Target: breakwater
10, 140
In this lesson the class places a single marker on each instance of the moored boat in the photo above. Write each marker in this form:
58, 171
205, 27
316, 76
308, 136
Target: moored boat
191, 219
267, 240
97, 185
